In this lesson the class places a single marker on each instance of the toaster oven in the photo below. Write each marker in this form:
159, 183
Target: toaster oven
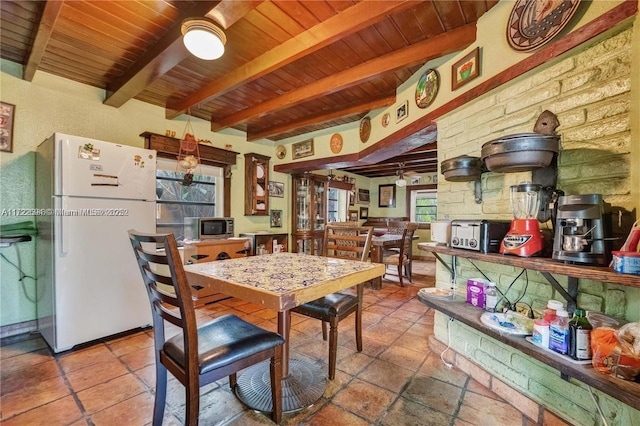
480, 235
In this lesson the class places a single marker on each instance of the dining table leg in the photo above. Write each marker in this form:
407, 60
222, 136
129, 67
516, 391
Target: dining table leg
376, 257
284, 327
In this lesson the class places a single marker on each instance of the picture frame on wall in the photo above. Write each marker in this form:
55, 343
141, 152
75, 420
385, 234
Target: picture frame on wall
364, 212
466, 69
353, 215
276, 189
302, 149
387, 195
7, 114
402, 111
363, 196
275, 218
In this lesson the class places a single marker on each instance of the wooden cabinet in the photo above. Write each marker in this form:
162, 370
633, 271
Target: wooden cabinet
308, 213
256, 181
266, 241
211, 250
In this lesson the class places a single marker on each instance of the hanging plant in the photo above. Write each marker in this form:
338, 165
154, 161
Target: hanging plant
189, 155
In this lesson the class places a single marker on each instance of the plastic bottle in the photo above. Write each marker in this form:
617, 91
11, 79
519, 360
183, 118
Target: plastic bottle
541, 332
559, 332
491, 297
580, 336
550, 311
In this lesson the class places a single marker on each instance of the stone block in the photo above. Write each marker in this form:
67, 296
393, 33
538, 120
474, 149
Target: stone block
521, 122
514, 90
612, 107
590, 95
572, 118
472, 108
602, 128
496, 350
479, 120
503, 372
595, 186
579, 80
590, 302
525, 405
453, 129
615, 302
480, 375
554, 72
536, 95
564, 403
606, 51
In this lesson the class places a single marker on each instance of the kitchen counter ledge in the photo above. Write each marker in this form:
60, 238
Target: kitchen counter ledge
625, 391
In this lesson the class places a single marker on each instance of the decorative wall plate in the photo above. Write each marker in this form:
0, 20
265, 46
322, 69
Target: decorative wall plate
336, 143
533, 23
427, 88
281, 151
386, 119
365, 129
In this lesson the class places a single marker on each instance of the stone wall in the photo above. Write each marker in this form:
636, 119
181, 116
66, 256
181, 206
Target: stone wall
589, 91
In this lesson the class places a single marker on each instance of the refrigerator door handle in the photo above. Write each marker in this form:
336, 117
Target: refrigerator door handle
64, 237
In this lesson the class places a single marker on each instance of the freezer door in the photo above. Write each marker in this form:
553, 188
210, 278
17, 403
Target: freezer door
98, 287
92, 168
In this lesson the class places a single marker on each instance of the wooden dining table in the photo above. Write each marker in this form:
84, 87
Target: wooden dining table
282, 281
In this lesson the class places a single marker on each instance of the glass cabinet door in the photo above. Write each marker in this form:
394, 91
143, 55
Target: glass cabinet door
303, 204
320, 207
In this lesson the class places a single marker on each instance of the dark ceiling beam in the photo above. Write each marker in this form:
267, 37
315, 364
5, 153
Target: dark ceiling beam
435, 47
45, 28
350, 21
319, 119
168, 52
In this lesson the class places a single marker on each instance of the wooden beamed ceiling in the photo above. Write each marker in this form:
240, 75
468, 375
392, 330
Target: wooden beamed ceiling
289, 68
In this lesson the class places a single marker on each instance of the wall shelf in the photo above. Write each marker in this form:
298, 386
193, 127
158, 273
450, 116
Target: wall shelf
625, 391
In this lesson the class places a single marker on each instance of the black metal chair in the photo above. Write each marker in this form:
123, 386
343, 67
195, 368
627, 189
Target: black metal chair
199, 354
346, 242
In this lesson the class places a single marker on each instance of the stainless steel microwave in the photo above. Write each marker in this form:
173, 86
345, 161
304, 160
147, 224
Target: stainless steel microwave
207, 228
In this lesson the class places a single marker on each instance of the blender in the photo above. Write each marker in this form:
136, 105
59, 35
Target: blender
524, 237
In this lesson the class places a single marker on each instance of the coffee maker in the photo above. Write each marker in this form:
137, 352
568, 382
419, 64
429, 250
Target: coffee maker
579, 230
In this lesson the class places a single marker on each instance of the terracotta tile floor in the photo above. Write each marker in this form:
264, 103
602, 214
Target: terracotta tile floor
396, 380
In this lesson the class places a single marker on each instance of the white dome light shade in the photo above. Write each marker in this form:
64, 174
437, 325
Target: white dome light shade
203, 38
401, 182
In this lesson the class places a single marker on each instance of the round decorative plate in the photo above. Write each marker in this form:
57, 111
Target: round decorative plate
281, 151
386, 119
533, 23
336, 143
365, 129
427, 88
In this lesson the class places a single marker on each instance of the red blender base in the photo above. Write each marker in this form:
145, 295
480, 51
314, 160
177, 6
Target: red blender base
523, 239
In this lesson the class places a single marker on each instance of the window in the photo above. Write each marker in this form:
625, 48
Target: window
424, 206
174, 202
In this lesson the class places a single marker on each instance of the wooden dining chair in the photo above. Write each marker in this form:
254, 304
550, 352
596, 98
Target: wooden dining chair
402, 258
345, 242
197, 355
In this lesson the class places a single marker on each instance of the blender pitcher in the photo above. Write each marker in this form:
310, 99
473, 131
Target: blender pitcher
524, 237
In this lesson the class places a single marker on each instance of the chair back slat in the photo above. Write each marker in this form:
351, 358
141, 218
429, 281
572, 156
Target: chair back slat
347, 242
407, 238
167, 287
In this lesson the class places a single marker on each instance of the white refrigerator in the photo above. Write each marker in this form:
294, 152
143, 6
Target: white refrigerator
88, 194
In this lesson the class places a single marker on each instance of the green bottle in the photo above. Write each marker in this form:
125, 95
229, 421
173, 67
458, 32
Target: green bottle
580, 336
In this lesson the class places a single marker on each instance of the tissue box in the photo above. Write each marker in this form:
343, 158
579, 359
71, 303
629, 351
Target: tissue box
475, 291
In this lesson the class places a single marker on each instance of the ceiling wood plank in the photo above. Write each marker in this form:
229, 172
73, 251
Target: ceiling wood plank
317, 119
155, 62
435, 47
43, 34
348, 22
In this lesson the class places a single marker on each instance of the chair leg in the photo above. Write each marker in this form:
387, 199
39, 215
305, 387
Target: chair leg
276, 385
400, 274
359, 329
161, 394
333, 347
233, 380
324, 330
193, 402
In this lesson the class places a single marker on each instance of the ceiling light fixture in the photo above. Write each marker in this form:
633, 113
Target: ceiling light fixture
203, 38
401, 182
